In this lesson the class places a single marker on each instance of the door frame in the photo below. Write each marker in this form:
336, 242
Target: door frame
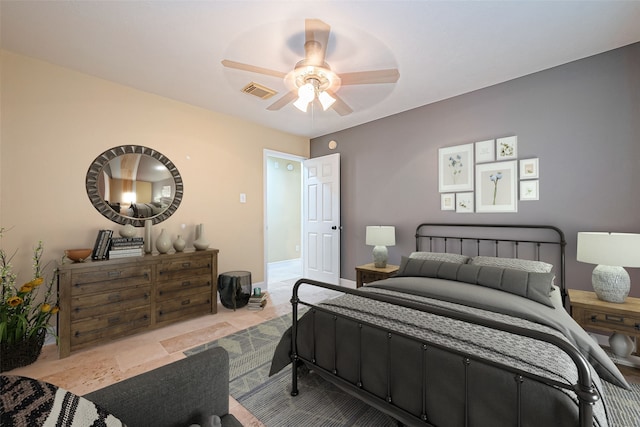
265, 241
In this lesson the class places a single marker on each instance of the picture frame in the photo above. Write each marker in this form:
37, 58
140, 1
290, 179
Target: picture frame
529, 190
447, 202
507, 148
455, 168
486, 151
529, 169
464, 202
496, 187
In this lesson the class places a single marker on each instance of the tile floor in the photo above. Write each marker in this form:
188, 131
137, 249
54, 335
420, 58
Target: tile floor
96, 367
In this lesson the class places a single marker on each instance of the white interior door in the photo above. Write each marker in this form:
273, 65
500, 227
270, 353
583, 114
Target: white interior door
321, 218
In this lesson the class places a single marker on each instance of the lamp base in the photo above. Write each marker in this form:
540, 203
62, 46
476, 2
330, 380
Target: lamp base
621, 345
380, 256
611, 283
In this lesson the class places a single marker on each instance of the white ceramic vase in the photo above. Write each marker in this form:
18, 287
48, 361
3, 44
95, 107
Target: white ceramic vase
163, 243
148, 245
201, 242
179, 244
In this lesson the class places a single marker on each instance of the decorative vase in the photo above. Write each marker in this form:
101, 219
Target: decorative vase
21, 353
163, 242
128, 231
179, 244
148, 245
201, 242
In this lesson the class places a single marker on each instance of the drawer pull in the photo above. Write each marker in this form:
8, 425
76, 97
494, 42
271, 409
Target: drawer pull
187, 283
113, 320
613, 318
594, 318
113, 273
186, 264
186, 302
637, 326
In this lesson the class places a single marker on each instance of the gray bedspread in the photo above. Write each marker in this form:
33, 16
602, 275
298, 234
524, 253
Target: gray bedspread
529, 355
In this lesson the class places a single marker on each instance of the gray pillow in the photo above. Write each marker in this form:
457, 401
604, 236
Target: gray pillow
531, 285
440, 256
513, 263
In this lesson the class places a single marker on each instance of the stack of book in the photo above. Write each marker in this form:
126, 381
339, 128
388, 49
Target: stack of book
257, 302
122, 247
101, 247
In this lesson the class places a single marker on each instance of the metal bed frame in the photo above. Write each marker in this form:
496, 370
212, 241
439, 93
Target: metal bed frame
584, 389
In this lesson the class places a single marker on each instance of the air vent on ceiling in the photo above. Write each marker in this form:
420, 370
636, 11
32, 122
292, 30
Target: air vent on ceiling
258, 90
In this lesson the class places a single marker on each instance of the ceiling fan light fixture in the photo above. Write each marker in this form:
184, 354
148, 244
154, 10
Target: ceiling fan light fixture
326, 100
301, 105
306, 94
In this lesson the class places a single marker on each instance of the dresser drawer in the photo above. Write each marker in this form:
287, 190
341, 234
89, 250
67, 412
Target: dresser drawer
177, 269
595, 319
114, 325
109, 278
114, 301
183, 307
188, 286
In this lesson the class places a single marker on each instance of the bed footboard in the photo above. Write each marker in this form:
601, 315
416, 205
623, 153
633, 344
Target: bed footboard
371, 373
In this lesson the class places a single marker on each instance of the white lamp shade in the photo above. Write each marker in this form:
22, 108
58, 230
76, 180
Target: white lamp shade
614, 249
381, 235
326, 100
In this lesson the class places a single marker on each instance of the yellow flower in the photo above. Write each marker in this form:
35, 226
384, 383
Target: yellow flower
26, 288
37, 281
55, 309
45, 308
14, 301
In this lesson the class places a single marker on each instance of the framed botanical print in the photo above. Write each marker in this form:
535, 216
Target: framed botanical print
486, 151
496, 187
464, 202
529, 190
455, 168
447, 202
529, 169
507, 148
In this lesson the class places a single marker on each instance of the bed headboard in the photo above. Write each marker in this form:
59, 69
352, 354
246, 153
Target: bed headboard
533, 242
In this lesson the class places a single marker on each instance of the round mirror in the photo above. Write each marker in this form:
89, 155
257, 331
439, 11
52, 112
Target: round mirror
130, 184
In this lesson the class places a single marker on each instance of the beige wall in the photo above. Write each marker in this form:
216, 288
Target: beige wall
55, 121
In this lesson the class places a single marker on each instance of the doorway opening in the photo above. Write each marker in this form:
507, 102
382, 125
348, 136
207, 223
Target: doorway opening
283, 220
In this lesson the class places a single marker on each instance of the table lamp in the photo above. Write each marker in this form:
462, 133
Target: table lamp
380, 236
612, 252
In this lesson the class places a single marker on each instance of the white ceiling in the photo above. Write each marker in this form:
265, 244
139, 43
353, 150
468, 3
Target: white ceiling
441, 48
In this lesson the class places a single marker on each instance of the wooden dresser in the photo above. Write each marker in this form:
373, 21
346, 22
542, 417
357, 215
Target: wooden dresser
105, 300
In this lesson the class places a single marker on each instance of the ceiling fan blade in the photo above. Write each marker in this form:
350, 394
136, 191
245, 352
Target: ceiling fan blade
370, 77
340, 106
287, 98
316, 40
253, 68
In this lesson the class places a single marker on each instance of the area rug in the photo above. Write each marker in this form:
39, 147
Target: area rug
320, 403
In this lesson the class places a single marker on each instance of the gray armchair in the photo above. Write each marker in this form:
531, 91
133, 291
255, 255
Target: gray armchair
179, 394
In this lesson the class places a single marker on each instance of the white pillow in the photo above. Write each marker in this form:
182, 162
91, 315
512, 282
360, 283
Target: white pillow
440, 256
513, 263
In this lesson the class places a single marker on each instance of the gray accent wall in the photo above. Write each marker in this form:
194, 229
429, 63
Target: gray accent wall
582, 120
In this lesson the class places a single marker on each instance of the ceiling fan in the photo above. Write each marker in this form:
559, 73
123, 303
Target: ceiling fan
312, 78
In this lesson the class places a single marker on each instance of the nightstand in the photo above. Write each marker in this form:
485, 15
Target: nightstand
602, 316
369, 273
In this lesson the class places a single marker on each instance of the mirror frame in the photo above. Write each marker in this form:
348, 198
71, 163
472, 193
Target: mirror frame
98, 202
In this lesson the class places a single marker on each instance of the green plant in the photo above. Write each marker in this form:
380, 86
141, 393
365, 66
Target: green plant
22, 313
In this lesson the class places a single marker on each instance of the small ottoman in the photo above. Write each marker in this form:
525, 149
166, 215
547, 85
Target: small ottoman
234, 288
